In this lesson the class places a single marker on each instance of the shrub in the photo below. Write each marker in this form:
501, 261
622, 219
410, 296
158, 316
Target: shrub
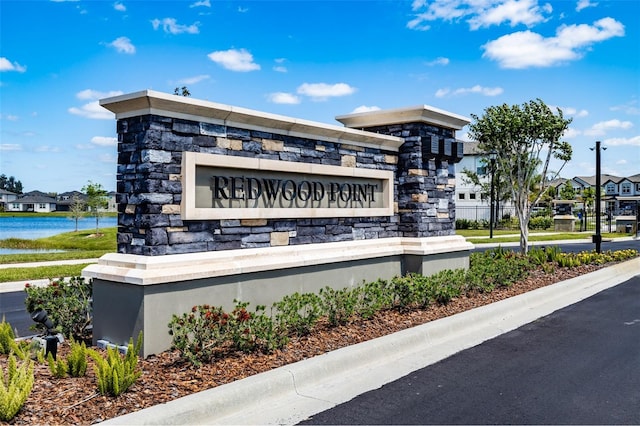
298, 313
68, 305
373, 297
15, 387
540, 222
116, 373
339, 305
199, 334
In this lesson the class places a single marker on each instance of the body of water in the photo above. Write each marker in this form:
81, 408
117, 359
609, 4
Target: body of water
31, 228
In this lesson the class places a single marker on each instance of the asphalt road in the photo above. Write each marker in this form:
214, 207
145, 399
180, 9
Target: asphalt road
579, 365
12, 309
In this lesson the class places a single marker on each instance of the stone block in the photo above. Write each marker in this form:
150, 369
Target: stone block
272, 145
348, 161
253, 222
279, 238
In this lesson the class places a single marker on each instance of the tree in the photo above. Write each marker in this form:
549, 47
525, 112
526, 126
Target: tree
77, 210
567, 192
525, 139
182, 91
96, 199
10, 184
588, 198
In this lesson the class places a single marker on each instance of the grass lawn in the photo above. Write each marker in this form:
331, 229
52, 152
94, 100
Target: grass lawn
78, 245
534, 237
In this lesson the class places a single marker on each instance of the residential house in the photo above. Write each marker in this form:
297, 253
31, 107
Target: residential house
34, 201
6, 197
66, 200
471, 202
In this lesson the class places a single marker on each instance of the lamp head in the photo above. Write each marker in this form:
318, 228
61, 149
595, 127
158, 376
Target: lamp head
40, 316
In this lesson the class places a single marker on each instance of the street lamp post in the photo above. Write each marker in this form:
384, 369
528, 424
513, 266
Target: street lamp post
492, 158
597, 238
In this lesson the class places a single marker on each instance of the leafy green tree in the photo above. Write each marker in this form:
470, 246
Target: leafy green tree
77, 210
525, 139
567, 192
96, 200
10, 184
182, 91
588, 197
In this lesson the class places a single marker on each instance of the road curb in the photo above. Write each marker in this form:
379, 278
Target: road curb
289, 394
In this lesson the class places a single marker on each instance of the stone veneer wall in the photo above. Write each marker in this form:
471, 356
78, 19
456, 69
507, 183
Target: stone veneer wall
149, 188
425, 178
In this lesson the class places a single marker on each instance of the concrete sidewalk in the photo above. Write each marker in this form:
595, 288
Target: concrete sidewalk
289, 394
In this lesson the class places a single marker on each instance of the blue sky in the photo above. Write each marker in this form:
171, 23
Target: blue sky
313, 60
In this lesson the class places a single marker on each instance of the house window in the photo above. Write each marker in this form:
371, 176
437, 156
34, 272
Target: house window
460, 196
626, 188
637, 187
481, 170
16, 206
472, 196
611, 188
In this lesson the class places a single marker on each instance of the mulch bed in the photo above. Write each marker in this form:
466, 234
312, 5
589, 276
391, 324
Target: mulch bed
166, 377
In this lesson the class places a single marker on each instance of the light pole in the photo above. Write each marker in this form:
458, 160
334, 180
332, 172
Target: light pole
597, 238
492, 158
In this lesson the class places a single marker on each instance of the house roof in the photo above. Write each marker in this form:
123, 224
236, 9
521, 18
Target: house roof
4, 191
31, 199
471, 148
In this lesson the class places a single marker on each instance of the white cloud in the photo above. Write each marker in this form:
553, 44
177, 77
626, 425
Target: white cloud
601, 128
94, 94
583, 4
234, 60
107, 158
203, 3
93, 109
7, 65
280, 67
10, 147
515, 12
622, 162
571, 133
485, 91
633, 141
47, 148
526, 49
169, 25
119, 7
9, 117
574, 112
438, 61
104, 141
195, 79
630, 108
478, 13
123, 45
323, 91
283, 98
364, 108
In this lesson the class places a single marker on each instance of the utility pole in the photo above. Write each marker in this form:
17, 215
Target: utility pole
597, 238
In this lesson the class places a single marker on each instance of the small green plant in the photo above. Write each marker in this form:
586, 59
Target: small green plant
68, 305
58, 367
298, 313
116, 373
15, 387
373, 297
8, 342
339, 305
7, 337
75, 365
